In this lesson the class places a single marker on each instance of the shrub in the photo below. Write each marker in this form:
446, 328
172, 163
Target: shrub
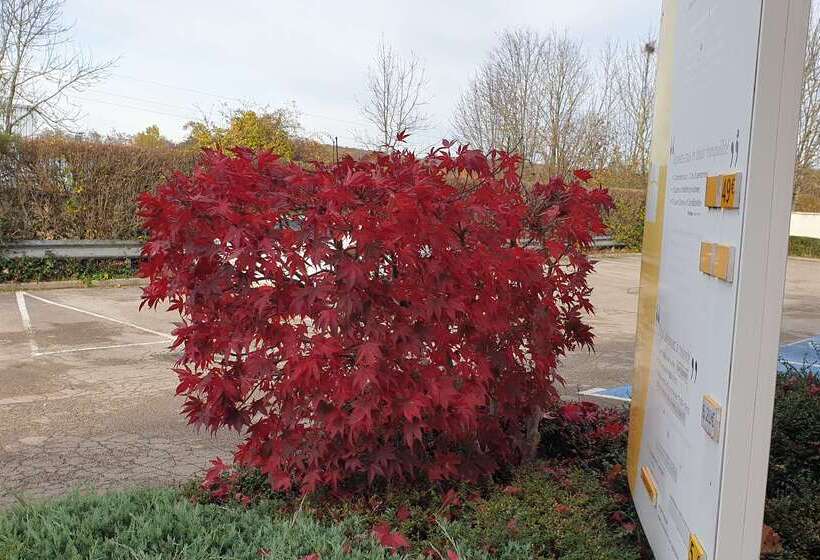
583, 431
793, 490
260, 130
626, 220
804, 247
60, 188
388, 318
30, 269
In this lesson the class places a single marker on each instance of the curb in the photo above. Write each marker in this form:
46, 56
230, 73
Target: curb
62, 284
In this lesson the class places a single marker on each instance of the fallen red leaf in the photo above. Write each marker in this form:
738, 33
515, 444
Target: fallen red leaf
770, 541
403, 513
614, 473
451, 498
390, 539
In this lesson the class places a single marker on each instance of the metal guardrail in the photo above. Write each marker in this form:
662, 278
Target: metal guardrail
605, 242
73, 248
110, 248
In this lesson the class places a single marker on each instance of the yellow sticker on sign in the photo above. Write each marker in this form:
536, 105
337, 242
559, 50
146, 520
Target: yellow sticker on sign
710, 199
707, 254
696, 551
730, 190
723, 262
649, 484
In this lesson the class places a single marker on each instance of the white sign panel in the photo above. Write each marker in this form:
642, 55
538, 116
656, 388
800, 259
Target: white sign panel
713, 270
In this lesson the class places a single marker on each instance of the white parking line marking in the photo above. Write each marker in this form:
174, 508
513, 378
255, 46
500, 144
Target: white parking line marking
21, 305
97, 315
87, 348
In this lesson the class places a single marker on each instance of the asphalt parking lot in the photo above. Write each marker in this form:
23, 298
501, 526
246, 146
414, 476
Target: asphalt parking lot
87, 393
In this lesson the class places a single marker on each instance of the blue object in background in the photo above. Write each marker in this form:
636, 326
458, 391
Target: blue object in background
800, 354
621, 393
797, 355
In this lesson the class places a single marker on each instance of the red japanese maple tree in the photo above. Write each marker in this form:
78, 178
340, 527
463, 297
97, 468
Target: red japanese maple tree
392, 317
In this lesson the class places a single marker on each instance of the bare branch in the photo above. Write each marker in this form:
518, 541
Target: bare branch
38, 68
395, 96
502, 106
566, 92
808, 140
635, 79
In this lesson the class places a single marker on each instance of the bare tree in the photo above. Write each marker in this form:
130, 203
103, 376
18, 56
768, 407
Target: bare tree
598, 135
808, 140
502, 106
566, 92
395, 96
635, 79
38, 68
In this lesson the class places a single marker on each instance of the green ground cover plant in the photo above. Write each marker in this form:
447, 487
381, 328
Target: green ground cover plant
539, 512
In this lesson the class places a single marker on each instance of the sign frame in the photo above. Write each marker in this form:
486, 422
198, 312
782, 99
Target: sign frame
758, 267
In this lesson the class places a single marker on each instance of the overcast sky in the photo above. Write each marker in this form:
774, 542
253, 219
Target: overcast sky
179, 58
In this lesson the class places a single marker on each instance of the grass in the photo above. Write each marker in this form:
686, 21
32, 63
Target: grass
539, 514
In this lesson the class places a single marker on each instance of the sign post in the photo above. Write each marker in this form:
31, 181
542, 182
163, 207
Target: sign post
712, 273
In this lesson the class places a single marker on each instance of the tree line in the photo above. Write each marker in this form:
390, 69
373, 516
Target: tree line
540, 94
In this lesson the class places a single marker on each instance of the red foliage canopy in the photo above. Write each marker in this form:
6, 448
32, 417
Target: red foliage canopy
390, 318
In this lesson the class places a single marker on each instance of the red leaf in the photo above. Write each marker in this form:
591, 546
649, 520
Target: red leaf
561, 508
402, 514
451, 498
572, 413
390, 539
614, 473
452, 555
770, 542
360, 317
512, 490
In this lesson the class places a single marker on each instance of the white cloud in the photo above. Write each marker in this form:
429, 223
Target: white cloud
178, 56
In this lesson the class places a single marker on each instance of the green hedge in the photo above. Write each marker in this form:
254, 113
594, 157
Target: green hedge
28, 269
804, 247
625, 221
60, 188
793, 491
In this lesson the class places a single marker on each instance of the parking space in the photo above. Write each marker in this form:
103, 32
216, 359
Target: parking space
87, 392
87, 395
